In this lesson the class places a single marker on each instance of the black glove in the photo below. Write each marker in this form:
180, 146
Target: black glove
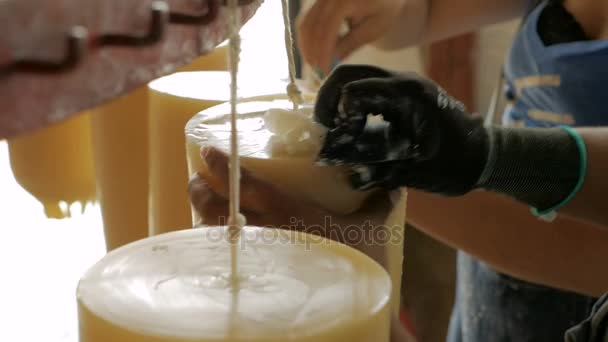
429, 141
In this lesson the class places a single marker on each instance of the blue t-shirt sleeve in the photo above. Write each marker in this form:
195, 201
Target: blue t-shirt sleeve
595, 327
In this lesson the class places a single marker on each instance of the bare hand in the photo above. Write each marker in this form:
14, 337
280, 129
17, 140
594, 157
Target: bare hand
319, 28
265, 205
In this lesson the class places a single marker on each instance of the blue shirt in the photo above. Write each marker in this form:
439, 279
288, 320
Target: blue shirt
562, 84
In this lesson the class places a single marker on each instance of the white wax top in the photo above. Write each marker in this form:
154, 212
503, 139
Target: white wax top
212, 128
279, 146
177, 284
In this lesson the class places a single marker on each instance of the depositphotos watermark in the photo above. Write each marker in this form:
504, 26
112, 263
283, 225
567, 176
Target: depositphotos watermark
362, 234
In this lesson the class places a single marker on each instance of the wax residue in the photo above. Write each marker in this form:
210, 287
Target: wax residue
290, 284
294, 132
55, 165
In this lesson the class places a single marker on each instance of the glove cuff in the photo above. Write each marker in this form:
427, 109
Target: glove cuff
542, 167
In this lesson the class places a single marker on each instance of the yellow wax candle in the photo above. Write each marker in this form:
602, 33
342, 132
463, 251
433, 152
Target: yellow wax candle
55, 164
173, 101
295, 173
120, 136
176, 287
120, 143
215, 60
279, 146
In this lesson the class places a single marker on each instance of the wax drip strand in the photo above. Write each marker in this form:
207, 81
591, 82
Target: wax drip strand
236, 220
293, 92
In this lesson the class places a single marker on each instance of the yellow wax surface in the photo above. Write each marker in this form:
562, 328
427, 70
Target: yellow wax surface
173, 101
215, 60
120, 145
55, 164
291, 287
295, 172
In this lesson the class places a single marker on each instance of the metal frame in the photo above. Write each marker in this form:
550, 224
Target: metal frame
78, 41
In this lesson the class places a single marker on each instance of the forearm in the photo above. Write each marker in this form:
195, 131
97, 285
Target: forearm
551, 170
590, 202
566, 254
433, 144
441, 19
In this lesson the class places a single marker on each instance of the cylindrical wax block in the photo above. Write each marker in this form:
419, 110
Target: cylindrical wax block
173, 101
55, 164
290, 286
279, 146
120, 141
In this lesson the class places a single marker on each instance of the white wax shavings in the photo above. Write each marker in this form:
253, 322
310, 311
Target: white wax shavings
444, 101
375, 118
294, 132
240, 221
345, 139
364, 172
376, 122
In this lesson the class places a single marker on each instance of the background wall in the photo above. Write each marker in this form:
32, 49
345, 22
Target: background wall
492, 46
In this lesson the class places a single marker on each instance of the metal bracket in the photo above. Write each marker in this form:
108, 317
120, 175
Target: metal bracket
76, 42
156, 30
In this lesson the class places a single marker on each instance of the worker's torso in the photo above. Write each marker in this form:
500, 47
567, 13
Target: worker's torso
548, 85
558, 84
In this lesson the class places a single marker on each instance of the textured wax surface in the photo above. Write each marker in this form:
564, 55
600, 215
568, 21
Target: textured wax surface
290, 284
265, 154
212, 127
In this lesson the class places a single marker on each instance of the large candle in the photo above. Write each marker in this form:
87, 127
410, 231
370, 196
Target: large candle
279, 146
120, 137
173, 101
55, 164
120, 142
215, 60
176, 287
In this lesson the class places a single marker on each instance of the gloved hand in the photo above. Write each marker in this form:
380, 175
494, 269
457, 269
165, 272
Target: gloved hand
429, 141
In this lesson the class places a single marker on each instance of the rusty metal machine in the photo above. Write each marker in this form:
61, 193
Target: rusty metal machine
59, 57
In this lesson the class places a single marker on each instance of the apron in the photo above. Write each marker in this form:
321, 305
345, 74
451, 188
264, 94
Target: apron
546, 86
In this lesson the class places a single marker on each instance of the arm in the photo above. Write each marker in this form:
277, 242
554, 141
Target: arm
442, 19
566, 254
432, 145
590, 202
392, 24
549, 170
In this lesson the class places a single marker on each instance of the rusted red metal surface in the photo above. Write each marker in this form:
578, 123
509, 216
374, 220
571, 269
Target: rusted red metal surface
37, 30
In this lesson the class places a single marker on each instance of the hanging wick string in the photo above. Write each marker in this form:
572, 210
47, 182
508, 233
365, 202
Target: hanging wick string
236, 221
293, 92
